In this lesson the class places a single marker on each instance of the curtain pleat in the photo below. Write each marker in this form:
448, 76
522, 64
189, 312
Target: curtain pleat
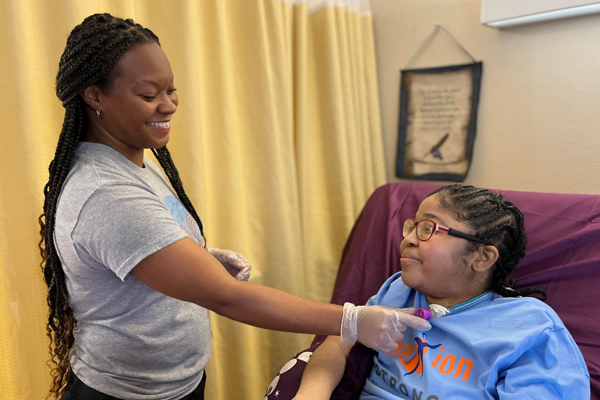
277, 138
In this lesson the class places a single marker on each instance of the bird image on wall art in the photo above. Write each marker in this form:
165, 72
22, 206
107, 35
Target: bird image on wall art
436, 148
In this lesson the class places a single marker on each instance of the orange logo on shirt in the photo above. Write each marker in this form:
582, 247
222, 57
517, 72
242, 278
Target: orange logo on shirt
412, 357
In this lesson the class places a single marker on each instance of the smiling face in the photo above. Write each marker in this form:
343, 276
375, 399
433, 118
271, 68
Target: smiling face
136, 108
441, 268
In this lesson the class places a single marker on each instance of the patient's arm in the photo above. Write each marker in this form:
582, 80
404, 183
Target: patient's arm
324, 370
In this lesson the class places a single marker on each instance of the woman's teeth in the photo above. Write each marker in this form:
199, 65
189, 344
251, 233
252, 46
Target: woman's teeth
159, 124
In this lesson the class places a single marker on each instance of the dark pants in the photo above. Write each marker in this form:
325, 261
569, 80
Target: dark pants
77, 390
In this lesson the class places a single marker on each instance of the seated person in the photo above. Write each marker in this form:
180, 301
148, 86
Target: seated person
486, 341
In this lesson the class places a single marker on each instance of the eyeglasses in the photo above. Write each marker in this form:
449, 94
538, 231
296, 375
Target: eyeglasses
426, 228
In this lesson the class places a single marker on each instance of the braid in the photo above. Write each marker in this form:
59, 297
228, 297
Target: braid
166, 162
496, 220
92, 51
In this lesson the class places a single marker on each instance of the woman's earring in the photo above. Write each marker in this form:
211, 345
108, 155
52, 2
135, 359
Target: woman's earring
98, 113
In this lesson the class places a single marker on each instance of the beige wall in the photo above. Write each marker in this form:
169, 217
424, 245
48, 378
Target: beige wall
539, 114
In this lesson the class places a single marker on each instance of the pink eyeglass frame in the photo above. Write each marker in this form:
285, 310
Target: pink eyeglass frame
451, 232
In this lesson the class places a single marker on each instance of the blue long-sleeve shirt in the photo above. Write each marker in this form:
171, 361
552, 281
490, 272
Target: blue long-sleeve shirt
490, 347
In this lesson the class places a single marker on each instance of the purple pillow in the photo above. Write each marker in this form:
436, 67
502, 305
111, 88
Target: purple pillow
286, 383
359, 364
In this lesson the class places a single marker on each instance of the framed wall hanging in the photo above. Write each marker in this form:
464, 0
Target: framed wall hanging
438, 121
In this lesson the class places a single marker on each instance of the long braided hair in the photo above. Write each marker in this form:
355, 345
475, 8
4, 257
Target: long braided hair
496, 220
93, 49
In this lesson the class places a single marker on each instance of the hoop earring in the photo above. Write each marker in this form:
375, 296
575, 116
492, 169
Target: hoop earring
98, 113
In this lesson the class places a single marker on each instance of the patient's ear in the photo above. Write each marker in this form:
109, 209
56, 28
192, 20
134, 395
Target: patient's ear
484, 258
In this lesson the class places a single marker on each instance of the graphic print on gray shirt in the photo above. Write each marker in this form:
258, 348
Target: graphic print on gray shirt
131, 341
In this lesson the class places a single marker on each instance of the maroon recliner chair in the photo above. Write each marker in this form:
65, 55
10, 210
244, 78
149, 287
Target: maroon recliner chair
563, 259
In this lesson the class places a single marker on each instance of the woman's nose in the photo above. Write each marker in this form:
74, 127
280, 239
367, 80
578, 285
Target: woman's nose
168, 106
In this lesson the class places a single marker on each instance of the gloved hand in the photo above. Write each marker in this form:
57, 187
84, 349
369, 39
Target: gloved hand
235, 263
379, 328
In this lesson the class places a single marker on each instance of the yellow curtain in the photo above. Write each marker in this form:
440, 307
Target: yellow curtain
277, 139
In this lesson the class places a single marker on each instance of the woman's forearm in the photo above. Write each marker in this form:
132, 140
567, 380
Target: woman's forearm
271, 308
186, 271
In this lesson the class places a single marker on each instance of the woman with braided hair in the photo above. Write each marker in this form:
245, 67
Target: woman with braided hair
487, 341
130, 281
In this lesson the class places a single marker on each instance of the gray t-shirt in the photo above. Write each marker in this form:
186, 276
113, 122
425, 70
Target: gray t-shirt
131, 341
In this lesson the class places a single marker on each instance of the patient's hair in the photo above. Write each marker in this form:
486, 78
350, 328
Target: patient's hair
496, 220
93, 49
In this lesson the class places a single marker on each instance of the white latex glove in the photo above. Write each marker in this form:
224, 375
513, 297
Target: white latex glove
379, 328
235, 263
